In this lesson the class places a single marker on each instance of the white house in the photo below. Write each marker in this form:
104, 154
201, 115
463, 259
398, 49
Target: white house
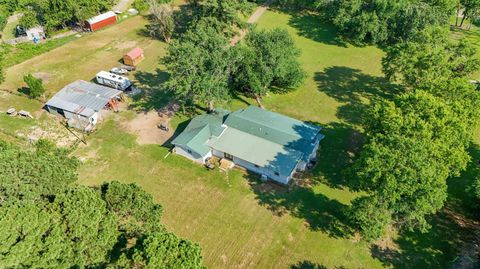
261, 141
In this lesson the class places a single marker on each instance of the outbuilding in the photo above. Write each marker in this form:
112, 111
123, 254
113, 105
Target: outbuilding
82, 102
134, 57
103, 20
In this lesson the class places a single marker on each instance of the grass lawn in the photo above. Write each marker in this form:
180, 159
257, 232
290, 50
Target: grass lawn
85, 57
81, 58
237, 223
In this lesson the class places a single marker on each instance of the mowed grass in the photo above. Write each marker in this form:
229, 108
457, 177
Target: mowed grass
237, 225
85, 57
79, 59
235, 222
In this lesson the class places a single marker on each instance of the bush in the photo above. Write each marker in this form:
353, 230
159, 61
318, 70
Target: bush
370, 217
35, 86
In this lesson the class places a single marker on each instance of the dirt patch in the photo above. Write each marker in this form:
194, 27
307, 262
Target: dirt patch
144, 126
59, 136
43, 76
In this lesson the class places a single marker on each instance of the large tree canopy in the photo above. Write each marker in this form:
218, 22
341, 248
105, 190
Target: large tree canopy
415, 143
58, 13
225, 12
385, 21
429, 57
269, 59
200, 64
47, 221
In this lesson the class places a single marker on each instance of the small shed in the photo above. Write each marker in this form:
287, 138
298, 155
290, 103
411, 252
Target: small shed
103, 20
134, 57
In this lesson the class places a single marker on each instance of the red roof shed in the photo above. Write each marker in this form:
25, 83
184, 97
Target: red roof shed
101, 21
134, 57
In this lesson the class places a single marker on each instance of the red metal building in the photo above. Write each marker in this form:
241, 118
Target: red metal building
98, 22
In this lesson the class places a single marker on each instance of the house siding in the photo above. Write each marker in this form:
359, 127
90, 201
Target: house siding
183, 151
251, 167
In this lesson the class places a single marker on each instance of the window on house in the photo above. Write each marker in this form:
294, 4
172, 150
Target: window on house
257, 166
228, 156
189, 151
277, 173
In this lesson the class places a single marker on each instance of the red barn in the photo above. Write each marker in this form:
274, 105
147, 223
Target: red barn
102, 20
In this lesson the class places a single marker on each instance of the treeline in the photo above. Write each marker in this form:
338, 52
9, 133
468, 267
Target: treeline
387, 22
55, 14
49, 221
418, 139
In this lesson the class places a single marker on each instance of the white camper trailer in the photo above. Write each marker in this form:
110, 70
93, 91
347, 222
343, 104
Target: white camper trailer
113, 81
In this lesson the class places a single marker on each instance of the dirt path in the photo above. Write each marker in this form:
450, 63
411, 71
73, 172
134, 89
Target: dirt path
253, 19
122, 5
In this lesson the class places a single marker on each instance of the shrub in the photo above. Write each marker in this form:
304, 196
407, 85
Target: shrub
35, 86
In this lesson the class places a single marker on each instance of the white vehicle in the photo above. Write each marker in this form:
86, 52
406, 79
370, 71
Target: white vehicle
113, 81
119, 71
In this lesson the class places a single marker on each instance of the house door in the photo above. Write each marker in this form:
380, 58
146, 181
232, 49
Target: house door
228, 156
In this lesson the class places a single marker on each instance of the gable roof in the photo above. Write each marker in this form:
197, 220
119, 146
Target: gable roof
200, 130
257, 150
261, 137
101, 17
135, 53
82, 97
271, 126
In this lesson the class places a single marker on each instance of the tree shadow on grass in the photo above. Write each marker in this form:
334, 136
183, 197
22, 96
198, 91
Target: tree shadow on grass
438, 248
353, 88
153, 96
319, 212
307, 265
24, 90
301, 200
337, 152
453, 236
311, 26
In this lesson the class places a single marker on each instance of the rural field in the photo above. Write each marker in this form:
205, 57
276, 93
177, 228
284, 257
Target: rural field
238, 221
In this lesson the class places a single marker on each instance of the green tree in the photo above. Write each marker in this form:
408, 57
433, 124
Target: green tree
135, 209
384, 21
35, 86
471, 9
429, 56
28, 175
226, 12
200, 64
75, 230
46, 221
166, 250
370, 216
29, 19
269, 60
415, 143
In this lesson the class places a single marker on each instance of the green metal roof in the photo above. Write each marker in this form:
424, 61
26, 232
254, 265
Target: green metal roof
258, 136
199, 131
257, 150
271, 126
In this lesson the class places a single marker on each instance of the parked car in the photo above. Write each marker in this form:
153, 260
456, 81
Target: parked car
129, 68
119, 71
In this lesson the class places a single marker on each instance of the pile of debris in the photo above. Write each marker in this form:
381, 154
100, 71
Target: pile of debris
12, 112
